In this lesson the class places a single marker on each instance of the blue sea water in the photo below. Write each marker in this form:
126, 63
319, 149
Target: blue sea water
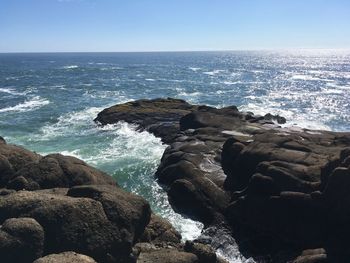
48, 102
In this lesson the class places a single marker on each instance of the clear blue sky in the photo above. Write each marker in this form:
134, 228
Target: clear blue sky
151, 25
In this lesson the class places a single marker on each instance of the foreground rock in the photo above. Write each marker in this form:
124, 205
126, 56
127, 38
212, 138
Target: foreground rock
277, 188
21, 240
65, 257
59, 209
22, 169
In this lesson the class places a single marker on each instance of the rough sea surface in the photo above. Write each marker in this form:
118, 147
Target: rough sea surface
48, 103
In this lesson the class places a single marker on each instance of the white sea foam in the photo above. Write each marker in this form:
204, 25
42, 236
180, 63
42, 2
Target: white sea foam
214, 72
12, 91
303, 77
231, 82
70, 67
150, 80
122, 147
28, 105
145, 148
7, 90
194, 69
74, 123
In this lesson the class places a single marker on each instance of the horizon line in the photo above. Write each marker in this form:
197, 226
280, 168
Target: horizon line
176, 51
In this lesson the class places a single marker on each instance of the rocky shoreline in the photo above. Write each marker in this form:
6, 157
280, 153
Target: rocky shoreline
280, 193
57, 208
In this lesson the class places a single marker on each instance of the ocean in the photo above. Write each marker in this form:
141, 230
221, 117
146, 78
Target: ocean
48, 102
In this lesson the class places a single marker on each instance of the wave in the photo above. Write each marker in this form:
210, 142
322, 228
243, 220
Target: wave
28, 105
303, 77
12, 91
120, 150
150, 80
70, 67
194, 69
214, 72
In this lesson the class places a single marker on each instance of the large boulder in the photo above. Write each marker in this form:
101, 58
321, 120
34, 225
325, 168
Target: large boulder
65, 257
21, 240
160, 231
22, 169
99, 221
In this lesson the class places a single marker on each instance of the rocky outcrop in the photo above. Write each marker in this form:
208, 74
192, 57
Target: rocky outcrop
103, 225
285, 185
67, 211
159, 116
22, 169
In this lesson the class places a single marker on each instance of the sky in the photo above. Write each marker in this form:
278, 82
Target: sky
172, 25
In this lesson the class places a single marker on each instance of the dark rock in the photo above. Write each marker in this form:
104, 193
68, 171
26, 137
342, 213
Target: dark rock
166, 255
13, 158
222, 165
22, 169
129, 211
160, 116
205, 253
312, 256
103, 225
160, 230
21, 240
278, 118
65, 257
56, 170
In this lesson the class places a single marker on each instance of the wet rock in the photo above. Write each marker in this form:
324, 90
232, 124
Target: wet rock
65, 257
312, 256
279, 119
222, 165
21, 240
159, 116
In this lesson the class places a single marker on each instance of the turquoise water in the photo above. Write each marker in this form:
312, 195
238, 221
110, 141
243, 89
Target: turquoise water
48, 102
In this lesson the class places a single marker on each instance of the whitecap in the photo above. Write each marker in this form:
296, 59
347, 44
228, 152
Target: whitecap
9, 91
303, 77
73, 123
150, 80
70, 67
28, 105
231, 82
194, 69
128, 143
191, 94
214, 72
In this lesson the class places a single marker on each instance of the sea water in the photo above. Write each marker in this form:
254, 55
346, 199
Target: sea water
48, 103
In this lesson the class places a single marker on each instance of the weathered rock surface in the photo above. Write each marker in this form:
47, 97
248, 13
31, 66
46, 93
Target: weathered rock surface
160, 231
166, 255
103, 225
289, 185
159, 116
22, 169
65, 257
71, 212
21, 240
